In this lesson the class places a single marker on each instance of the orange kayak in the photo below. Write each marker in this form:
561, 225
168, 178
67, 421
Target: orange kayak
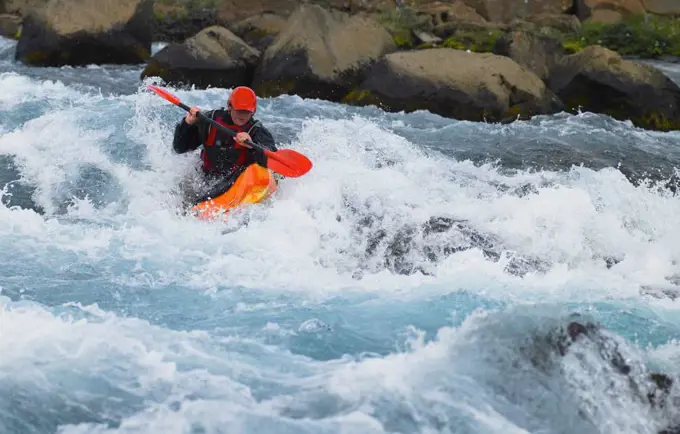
254, 185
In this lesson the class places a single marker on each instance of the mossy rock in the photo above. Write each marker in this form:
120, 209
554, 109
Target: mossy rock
361, 97
404, 39
477, 42
272, 88
646, 36
657, 121
598, 80
401, 22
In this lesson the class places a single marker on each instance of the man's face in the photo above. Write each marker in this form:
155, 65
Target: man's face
240, 117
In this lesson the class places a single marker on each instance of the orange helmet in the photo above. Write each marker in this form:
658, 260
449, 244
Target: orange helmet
243, 98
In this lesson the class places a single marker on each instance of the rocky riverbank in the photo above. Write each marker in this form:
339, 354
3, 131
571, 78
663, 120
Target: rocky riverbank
479, 60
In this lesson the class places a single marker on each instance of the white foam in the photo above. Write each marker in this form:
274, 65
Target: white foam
306, 239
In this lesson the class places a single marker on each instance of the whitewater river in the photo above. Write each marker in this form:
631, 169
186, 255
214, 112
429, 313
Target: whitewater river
393, 288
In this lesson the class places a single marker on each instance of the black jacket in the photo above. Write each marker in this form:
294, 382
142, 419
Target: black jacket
222, 157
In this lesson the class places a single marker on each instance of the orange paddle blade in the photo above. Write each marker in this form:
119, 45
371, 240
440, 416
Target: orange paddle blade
288, 163
165, 94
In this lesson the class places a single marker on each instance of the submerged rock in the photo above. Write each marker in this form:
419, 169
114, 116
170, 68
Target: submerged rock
591, 343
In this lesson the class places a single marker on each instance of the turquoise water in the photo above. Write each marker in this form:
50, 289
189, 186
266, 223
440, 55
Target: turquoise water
329, 309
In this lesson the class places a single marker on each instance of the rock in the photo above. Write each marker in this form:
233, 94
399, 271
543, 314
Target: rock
21, 7
175, 23
481, 29
607, 11
232, 11
600, 81
606, 16
441, 13
662, 7
321, 54
426, 37
596, 350
401, 22
538, 54
504, 11
82, 32
213, 57
562, 23
10, 26
259, 31
456, 84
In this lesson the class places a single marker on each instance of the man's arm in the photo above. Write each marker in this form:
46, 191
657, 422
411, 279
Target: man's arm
189, 137
264, 138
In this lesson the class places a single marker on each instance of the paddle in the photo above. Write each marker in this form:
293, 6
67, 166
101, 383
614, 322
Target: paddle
285, 162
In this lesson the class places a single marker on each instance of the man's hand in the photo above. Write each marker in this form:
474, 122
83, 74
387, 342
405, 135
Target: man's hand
192, 117
241, 139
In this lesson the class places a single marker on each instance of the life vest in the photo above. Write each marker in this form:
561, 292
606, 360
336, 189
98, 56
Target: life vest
225, 160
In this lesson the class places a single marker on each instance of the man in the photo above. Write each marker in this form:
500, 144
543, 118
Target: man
224, 157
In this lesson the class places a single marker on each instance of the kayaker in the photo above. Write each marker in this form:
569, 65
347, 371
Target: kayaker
224, 157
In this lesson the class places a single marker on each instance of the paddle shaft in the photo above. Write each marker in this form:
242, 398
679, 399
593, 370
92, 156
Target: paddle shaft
215, 124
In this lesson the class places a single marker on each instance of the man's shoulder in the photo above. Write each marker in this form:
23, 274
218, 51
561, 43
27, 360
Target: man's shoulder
256, 124
218, 112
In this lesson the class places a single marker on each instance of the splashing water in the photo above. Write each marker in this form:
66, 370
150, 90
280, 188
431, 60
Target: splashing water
411, 282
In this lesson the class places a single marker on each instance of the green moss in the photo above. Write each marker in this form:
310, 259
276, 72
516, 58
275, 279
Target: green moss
400, 23
142, 52
621, 110
572, 47
17, 35
201, 4
642, 35
400, 19
403, 40
453, 43
171, 14
481, 41
360, 97
657, 121
272, 88
154, 69
514, 111
36, 58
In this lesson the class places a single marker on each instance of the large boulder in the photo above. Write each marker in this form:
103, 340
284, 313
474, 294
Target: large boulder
561, 22
81, 32
321, 54
537, 53
451, 11
662, 7
176, 22
504, 11
600, 81
21, 7
259, 31
607, 11
213, 57
457, 84
231, 11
